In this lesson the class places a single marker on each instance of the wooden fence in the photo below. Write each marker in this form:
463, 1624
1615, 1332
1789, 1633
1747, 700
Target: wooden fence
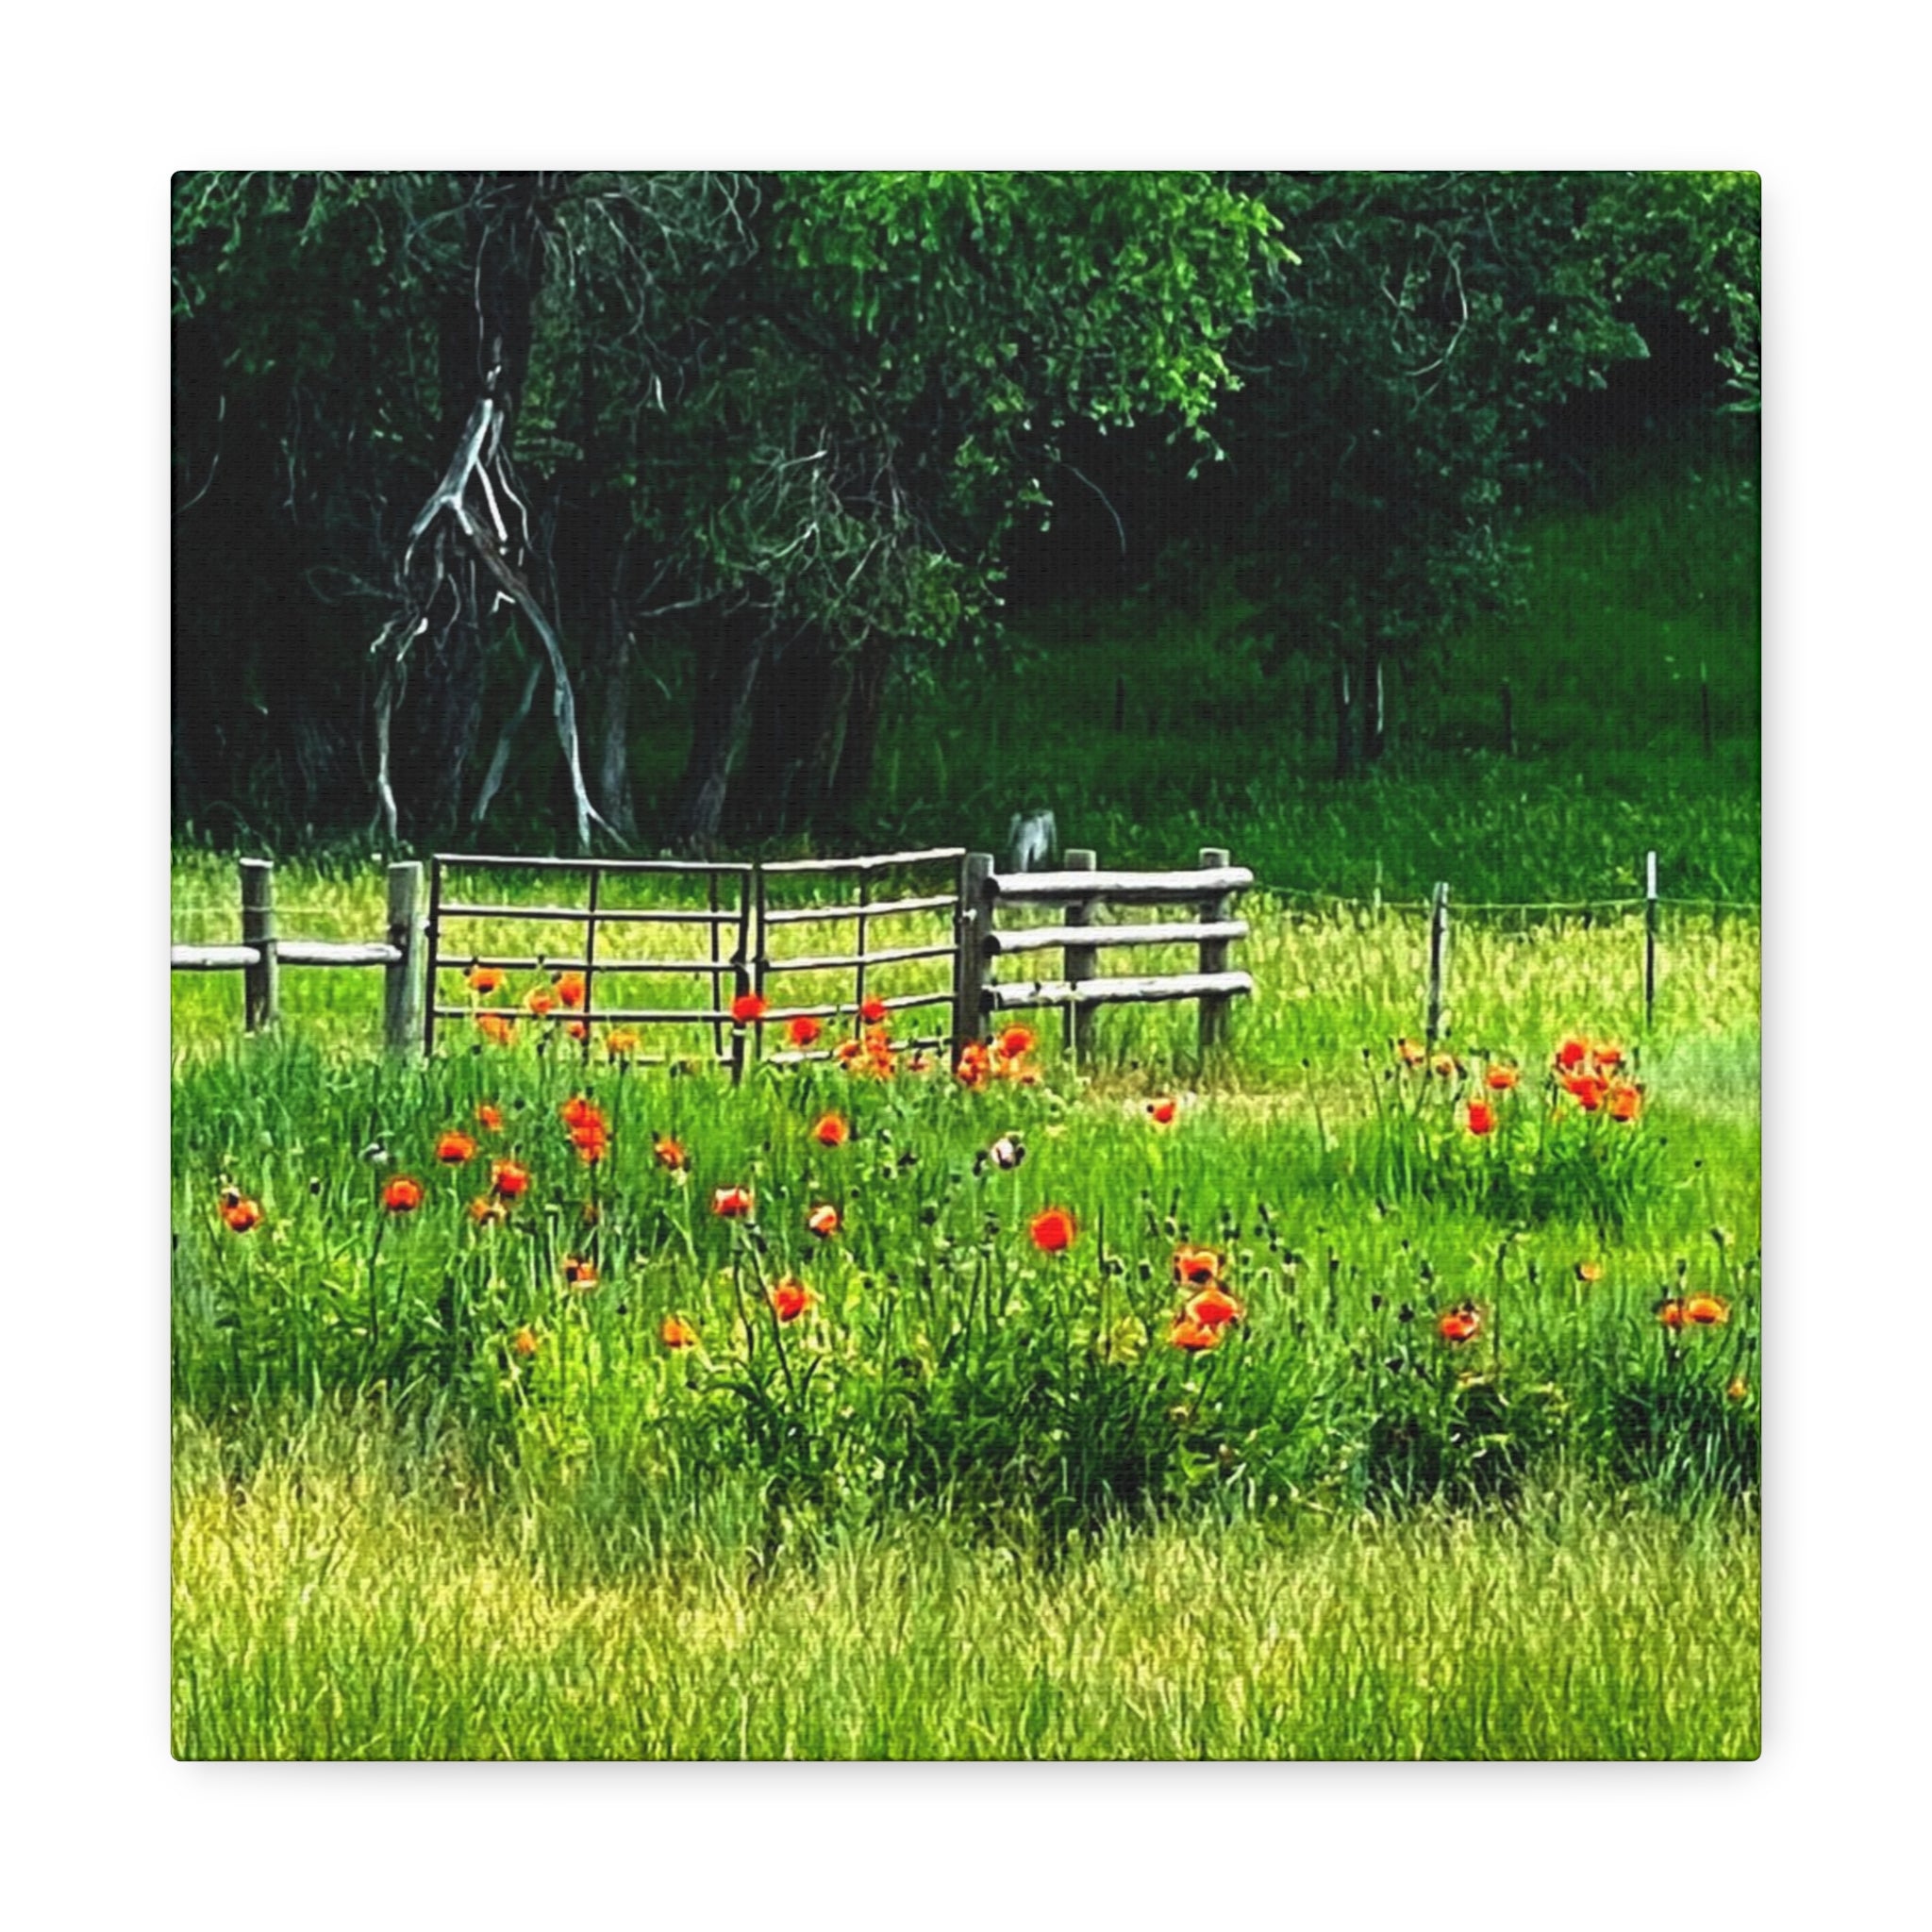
1081, 894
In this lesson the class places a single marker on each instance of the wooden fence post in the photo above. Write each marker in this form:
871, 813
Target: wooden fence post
972, 922
1082, 963
261, 1003
1439, 960
1217, 906
1649, 939
402, 978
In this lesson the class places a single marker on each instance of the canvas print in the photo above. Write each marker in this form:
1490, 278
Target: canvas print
965, 965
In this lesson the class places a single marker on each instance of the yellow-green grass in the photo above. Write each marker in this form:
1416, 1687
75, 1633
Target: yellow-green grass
343, 1600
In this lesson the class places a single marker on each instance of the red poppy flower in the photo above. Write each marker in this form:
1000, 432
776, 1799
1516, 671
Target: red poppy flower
577, 1029
1671, 1313
1706, 1310
489, 1118
1572, 1054
1501, 1079
1461, 1324
1193, 1335
1482, 1117
539, 999
975, 1064
403, 1195
570, 989
790, 1299
1052, 1231
748, 1006
497, 1028
732, 1204
581, 1276
524, 1342
804, 1030
1607, 1057
824, 1221
508, 1179
1214, 1308
591, 1141
872, 1011
239, 1212
1626, 1102
1196, 1267
483, 979
454, 1148
831, 1131
1587, 1090
668, 1153
1163, 1112
676, 1334
1016, 1040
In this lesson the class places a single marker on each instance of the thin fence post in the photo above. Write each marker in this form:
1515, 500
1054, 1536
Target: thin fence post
402, 978
1649, 939
1082, 963
432, 940
261, 1004
1439, 960
1217, 906
973, 924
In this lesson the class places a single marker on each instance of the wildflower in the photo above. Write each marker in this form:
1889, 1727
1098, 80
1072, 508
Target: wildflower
1006, 1152
824, 1221
591, 1141
670, 1154
1587, 1090
1052, 1231
484, 979
1193, 1335
1626, 1101
239, 1211
581, 1276
540, 1000
1161, 1112
524, 1342
577, 1029
570, 989
1607, 1056
578, 1109
1501, 1079
1706, 1310
1214, 1308
732, 1204
1738, 1389
1015, 1042
847, 1050
485, 1210
1587, 1272
1446, 1066
1196, 1267
831, 1131
489, 1118
454, 1148
508, 1179
619, 1041
1672, 1313
1482, 1117
804, 1030
975, 1065
1461, 1323
676, 1334
748, 1006
1410, 1053
403, 1195
790, 1299
1572, 1055
872, 1011
497, 1028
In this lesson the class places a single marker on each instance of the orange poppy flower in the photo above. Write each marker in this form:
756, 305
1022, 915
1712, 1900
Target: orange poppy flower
1052, 1231
1196, 1267
1482, 1117
1626, 1102
1007, 1152
1587, 1090
732, 1204
619, 1041
1214, 1308
497, 1028
1193, 1335
676, 1334
570, 989
578, 1109
872, 1011
577, 1029
581, 1276
1410, 1053
403, 1195
975, 1064
669, 1153
1607, 1055
1672, 1313
1461, 1324
239, 1212
484, 979
831, 1131
824, 1221
804, 1030
1572, 1054
508, 1179
1501, 1079
489, 1118
790, 1298
524, 1342
748, 1006
1706, 1310
487, 1208
591, 1141
539, 999
1016, 1040
1161, 1112
1589, 1270
454, 1148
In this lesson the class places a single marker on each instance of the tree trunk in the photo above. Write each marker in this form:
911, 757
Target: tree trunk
1375, 703
727, 672
852, 772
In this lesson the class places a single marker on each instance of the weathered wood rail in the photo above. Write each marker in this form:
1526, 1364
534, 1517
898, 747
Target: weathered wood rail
1082, 893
